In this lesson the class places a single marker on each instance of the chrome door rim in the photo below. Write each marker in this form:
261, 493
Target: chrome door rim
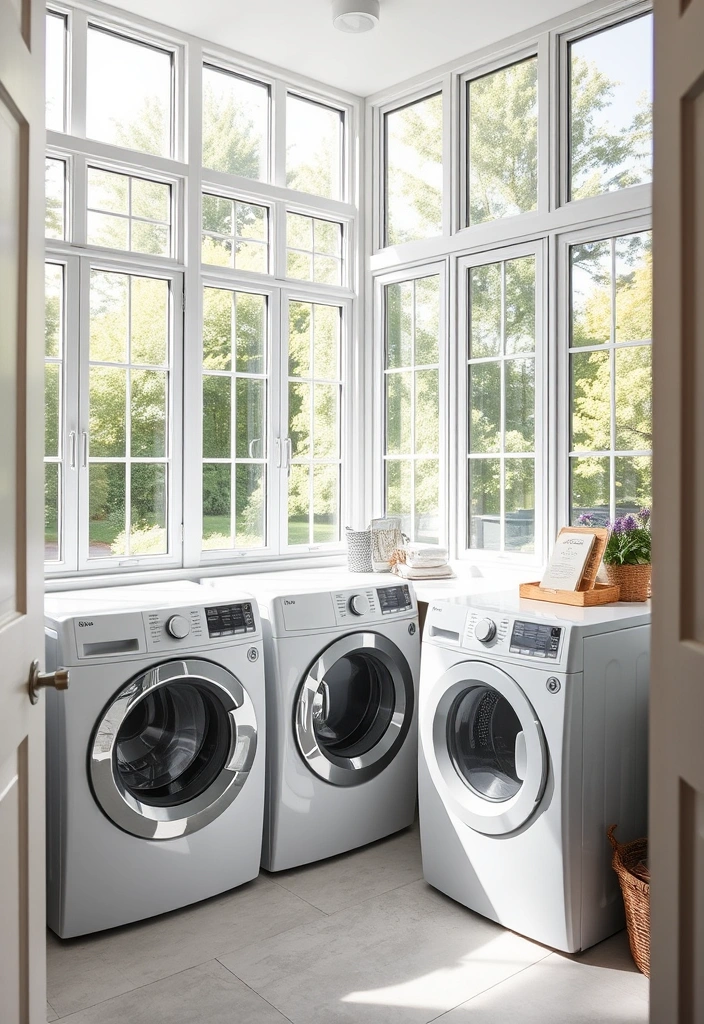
159, 822
352, 771
481, 814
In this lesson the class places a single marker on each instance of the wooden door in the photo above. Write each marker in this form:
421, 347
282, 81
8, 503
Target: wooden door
22, 939
677, 696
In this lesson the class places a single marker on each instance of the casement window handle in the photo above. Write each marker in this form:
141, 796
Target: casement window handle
72, 449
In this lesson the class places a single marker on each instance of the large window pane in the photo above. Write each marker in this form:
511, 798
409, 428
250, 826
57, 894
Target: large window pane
235, 124
129, 399
502, 138
611, 76
54, 311
314, 409
412, 405
314, 147
611, 375
133, 109
413, 171
55, 192
502, 404
234, 419
55, 72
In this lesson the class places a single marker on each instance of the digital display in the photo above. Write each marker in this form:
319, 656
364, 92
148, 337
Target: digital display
230, 619
536, 640
394, 599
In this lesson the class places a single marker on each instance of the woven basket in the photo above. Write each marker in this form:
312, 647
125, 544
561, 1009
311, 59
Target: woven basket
634, 581
636, 896
359, 550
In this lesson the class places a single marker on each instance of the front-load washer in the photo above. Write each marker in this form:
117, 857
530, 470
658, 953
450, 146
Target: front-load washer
533, 741
342, 661
155, 753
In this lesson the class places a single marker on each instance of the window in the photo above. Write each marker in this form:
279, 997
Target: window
130, 213
235, 447
53, 402
314, 249
235, 234
130, 406
314, 442
132, 110
413, 171
501, 387
610, 361
235, 124
314, 147
55, 72
502, 140
611, 108
55, 189
412, 401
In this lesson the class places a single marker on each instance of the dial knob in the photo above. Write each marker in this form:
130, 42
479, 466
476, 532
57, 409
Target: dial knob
358, 604
485, 630
178, 627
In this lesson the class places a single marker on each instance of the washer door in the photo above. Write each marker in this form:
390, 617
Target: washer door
354, 709
173, 749
487, 743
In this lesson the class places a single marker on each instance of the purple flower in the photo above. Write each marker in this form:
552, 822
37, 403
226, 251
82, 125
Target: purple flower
629, 523
586, 519
644, 516
617, 526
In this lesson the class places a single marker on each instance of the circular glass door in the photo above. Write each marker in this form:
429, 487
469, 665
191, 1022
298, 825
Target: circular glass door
173, 749
484, 747
354, 709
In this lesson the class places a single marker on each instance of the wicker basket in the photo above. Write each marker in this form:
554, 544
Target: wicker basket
634, 581
636, 896
359, 550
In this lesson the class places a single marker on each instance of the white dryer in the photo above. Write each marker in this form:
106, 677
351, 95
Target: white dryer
533, 740
155, 753
342, 661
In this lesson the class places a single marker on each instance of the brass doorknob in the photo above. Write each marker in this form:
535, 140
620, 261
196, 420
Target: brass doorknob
40, 680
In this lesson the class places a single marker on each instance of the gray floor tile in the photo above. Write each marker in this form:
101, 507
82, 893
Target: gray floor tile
602, 985
82, 972
343, 881
208, 994
400, 958
51, 1013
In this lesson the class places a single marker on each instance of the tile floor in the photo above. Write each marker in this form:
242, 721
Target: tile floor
360, 939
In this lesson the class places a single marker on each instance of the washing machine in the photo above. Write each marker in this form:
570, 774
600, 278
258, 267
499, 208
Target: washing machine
533, 741
342, 660
155, 753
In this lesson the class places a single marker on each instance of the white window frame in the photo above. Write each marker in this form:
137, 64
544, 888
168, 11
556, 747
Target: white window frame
381, 282
537, 249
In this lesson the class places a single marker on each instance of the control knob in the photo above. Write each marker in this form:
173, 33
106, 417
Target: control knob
358, 604
485, 630
178, 627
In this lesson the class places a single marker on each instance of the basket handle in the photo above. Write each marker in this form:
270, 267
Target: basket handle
612, 839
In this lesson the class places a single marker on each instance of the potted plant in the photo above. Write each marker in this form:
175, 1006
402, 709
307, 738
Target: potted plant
627, 557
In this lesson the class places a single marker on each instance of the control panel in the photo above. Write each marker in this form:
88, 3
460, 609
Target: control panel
393, 600
230, 619
535, 639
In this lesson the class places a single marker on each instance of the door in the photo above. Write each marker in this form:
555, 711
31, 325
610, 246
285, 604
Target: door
484, 747
173, 749
354, 709
22, 956
677, 682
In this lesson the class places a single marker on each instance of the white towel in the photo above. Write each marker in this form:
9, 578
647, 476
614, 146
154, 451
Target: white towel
407, 572
425, 556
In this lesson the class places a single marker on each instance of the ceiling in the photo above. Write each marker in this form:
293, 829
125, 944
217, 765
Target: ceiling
413, 36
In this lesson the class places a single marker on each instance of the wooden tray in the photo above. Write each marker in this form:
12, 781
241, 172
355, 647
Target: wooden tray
601, 593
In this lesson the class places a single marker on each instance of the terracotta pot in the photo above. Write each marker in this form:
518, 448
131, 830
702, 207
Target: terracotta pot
634, 581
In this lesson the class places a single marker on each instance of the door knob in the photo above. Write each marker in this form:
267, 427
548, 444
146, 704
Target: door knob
40, 680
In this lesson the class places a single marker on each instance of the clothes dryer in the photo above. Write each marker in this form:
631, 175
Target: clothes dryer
155, 753
533, 740
342, 660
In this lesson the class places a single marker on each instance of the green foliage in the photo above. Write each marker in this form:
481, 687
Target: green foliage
629, 540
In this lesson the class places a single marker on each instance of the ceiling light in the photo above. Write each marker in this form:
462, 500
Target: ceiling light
355, 15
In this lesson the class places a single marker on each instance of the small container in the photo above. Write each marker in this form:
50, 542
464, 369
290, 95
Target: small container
359, 550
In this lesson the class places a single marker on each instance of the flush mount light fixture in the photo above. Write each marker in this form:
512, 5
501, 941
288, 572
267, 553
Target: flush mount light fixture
355, 15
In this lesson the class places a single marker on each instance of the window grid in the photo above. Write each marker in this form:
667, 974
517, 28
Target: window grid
325, 264
214, 541
413, 460
131, 368
225, 246
306, 466
500, 453
55, 218
130, 219
610, 348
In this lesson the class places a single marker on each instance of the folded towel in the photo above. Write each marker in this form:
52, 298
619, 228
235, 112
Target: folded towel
407, 572
425, 555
